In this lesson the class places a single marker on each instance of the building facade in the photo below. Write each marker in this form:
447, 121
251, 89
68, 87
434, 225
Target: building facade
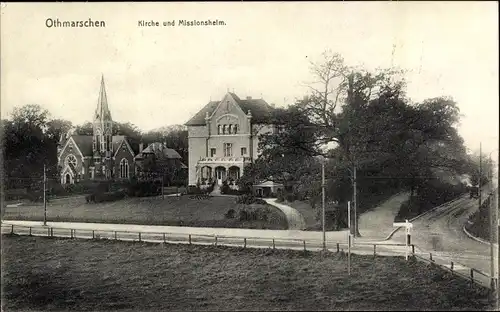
157, 161
100, 156
223, 138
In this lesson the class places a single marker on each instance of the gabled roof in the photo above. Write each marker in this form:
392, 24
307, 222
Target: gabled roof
160, 151
84, 143
259, 109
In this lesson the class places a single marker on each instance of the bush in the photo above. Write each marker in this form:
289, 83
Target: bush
280, 198
194, 190
230, 214
243, 215
249, 199
210, 189
225, 189
144, 188
104, 197
290, 197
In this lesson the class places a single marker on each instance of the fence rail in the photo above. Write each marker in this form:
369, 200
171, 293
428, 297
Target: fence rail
475, 276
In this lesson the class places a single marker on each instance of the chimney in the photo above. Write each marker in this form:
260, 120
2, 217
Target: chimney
249, 97
141, 146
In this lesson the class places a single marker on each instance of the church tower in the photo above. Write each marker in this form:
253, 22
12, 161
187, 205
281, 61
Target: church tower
102, 126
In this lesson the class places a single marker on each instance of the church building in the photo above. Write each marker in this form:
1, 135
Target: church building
100, 156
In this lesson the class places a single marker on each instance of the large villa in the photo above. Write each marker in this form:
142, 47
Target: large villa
223, 138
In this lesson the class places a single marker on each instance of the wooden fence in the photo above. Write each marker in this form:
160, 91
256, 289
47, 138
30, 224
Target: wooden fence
474, 276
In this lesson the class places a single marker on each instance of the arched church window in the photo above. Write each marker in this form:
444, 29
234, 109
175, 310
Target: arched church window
97, 139
124, 168
224, 129
108, 142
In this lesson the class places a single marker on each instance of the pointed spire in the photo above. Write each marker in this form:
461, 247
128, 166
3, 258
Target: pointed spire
102, 110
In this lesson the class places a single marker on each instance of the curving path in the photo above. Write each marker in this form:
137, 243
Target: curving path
441, 232
378, 222
294, 217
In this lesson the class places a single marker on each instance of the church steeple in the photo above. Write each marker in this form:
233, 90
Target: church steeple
102, 110
103, 124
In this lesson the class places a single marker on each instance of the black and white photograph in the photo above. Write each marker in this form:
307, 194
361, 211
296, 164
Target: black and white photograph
249, 156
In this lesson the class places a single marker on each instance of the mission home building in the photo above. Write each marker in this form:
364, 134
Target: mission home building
223, 138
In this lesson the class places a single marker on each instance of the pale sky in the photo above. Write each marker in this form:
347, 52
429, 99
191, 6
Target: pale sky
158, 76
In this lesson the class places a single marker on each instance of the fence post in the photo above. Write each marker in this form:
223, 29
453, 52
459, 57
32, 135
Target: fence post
74, 233
215, 236
139, 236
30, 230
305, 246
93, 234
374, 250
451, 266
413, 249
245, 242
471, 277
430, 256
12, 229
116, 238
338, 247
190, 241
51, 232
274, 245
48, 232
71, 233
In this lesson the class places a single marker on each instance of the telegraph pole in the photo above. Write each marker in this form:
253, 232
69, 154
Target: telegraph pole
492, 229
480, 173
44, 195
323, 201
355, 202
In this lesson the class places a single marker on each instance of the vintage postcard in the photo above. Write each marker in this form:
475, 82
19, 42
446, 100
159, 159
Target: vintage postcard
220, 156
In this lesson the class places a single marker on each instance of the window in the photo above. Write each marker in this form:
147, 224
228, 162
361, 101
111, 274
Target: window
108, 142
102, 144
71, 160
228, 149
212, 152
124, 168
224, 129
97, 139
243, 151
235, 129
230, 129
219, 127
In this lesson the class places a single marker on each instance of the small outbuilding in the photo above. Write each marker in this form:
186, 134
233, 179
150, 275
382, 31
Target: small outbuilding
267, 188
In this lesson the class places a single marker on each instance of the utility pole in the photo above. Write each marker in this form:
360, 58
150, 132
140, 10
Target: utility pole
480, 173
323, 201
44, 195
355, 202
492, 229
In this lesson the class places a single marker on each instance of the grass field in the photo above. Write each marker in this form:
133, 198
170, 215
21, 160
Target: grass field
174, 211
83, 275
